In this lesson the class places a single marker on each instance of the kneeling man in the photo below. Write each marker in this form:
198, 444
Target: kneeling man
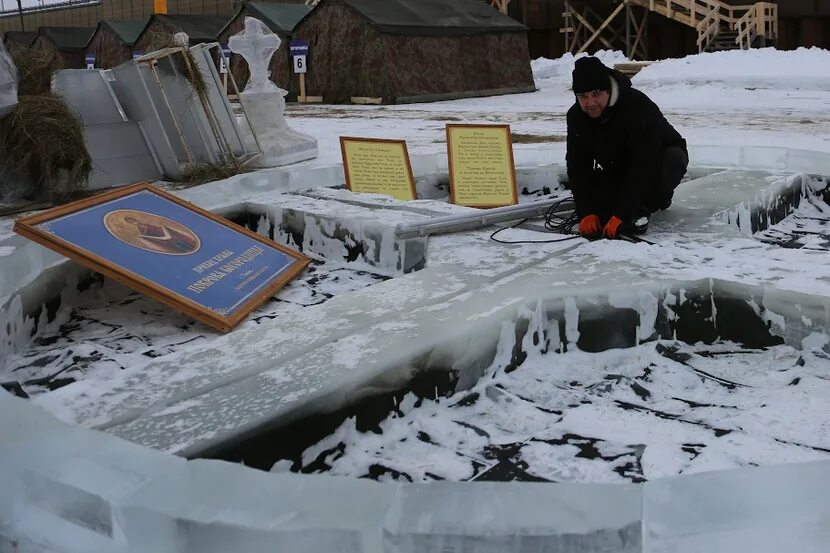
624, 158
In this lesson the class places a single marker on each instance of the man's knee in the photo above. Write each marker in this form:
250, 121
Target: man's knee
673, 167
675, 163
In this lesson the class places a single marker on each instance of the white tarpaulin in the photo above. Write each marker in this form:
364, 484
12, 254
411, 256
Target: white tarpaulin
8, 83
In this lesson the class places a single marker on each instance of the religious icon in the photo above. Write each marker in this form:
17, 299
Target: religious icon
121, 233
151, 232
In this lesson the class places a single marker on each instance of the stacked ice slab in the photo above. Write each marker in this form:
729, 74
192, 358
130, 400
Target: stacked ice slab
67, 489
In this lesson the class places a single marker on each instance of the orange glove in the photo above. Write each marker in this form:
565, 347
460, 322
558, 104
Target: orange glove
612, 227
589, 226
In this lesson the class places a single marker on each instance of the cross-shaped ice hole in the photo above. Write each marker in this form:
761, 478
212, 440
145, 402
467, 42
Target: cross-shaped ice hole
257, 43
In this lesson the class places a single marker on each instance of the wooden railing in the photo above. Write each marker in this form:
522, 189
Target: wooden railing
707, 29
500, 5
761, 20
710, 16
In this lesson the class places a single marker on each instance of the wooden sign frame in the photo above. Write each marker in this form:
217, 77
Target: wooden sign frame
175, 235
405, 152
451, 164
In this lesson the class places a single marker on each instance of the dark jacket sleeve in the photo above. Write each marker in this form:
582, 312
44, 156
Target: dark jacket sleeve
579, 172
644, 148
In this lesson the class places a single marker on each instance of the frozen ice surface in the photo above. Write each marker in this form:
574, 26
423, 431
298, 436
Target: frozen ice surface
256, 511
463, 305
60, 482
764, 510
186, 393
495, 517
623, 415
101, 341
70, 489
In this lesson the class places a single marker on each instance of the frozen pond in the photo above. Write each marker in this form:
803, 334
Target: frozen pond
95, 334
660, 409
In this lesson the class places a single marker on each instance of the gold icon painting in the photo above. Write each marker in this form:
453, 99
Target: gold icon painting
150, 232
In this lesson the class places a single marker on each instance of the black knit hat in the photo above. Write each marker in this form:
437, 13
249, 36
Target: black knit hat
590, 74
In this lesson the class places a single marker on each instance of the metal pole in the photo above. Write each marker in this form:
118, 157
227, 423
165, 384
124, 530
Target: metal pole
457, 223
20, 13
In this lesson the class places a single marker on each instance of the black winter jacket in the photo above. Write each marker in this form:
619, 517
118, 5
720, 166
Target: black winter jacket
614, 160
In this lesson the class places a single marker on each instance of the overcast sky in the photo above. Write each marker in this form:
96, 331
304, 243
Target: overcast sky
11, 5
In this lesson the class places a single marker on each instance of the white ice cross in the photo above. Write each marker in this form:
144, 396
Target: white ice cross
257, 44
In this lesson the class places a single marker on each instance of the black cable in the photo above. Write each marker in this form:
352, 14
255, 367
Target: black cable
523, 221
554, 222
636, 239
557, 221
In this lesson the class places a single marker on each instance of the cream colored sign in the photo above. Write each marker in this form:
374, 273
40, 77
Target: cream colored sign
378, 166
481, 165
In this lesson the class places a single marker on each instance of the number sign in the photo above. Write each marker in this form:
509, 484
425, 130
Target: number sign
299, 55
299, 64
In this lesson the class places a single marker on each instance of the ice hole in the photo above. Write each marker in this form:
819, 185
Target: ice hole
69, 326
72, 324
692, 378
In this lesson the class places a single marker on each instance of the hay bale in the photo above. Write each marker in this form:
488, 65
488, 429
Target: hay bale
202, 173
34, 70
43, 140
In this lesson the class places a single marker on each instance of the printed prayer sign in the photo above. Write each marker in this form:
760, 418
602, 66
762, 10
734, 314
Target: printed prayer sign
482, 173
164, 247
378, 166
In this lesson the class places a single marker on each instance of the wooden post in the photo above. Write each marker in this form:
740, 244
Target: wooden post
599, 30
500, 5
302, 88
159, 6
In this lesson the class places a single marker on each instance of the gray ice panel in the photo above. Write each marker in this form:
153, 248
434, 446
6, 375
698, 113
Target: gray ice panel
218, 100
132, 87
764, 510
120, 155
190, 115
89, 94
119, 150
8, 83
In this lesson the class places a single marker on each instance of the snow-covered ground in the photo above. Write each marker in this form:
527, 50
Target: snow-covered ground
759, 97
104, 362
623, 415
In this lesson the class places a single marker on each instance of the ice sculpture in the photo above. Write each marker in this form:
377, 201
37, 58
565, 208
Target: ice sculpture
264, 101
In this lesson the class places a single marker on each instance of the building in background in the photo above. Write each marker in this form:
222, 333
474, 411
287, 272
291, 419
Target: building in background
398, 51
16, 40
86, 13
159, 31
113, 41
68, 44
800, 22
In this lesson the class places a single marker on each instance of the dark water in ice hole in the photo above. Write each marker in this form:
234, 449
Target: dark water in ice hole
738, 336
